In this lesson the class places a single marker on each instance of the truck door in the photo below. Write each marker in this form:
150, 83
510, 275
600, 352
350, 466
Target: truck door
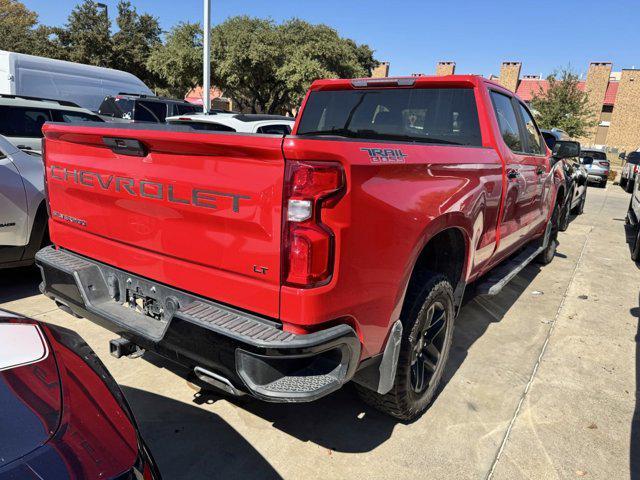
13, 205
536, 155
521, 199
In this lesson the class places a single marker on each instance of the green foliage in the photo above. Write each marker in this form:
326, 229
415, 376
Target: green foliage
178, 62
137, 36
267, 67
564, 105
86, 37
261, 65
16, 24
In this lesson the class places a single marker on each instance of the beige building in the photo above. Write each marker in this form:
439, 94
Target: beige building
614, 98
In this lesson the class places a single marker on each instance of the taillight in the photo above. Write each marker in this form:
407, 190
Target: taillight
635, 169
310, 188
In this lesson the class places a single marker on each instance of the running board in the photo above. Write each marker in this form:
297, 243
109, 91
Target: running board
504, 273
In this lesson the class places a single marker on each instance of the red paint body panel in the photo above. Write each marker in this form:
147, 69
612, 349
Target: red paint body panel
380, 225
209, 249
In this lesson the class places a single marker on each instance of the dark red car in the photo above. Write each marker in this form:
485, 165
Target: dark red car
62, 415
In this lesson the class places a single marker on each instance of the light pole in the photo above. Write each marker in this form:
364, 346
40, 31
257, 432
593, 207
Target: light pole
206, 60
105, 7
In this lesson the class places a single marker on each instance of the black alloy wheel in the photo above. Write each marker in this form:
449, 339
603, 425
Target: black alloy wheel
427, 350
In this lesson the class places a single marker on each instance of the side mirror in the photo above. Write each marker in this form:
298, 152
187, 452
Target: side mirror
566, 149
622, 156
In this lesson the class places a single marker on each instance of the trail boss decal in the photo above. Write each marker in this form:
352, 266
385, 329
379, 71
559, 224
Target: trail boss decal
8, 224
385, 155
197, 197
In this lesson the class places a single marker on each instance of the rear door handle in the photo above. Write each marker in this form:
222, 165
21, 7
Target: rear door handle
513, 174
540, 171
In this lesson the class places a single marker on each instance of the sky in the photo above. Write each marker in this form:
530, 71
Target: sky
413, 35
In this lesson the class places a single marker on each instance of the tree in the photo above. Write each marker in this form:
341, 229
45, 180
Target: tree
86, 37
178, 62
137, 37
267, 67
16, 24
564, 105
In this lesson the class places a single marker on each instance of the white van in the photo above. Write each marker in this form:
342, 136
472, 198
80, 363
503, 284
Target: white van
85, 85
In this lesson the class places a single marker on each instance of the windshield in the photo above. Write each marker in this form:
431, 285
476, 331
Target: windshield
434, 115
596, 155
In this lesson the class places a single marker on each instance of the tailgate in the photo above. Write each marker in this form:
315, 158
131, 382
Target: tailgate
200, 212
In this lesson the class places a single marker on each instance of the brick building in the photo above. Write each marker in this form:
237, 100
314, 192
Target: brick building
614, 98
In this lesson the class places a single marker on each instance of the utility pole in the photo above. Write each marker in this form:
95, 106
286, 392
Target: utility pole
206, 61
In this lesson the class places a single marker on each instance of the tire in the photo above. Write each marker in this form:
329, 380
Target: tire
623, 183
603, 183
563, 221
629, 186
579, 209
635, 254
546, 256
427, 320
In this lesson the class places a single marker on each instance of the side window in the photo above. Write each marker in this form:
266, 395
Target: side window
23, 122
507, 120
275, 129
534, 142
70, 117
150, 111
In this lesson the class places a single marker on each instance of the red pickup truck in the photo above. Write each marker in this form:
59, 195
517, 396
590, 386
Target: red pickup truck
286, 266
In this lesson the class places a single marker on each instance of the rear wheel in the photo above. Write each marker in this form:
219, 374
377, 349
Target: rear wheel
629, 186
424, 350
579, 208
623, 183
635, 253
546, 256
563, 221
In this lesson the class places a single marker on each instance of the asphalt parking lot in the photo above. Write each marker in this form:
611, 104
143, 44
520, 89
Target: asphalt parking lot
543, 383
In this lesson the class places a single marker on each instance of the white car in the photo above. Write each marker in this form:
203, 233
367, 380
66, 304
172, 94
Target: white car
21, 118
23, 211
236, 122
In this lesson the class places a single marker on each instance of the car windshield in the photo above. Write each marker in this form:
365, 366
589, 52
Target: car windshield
433, 115
596, 155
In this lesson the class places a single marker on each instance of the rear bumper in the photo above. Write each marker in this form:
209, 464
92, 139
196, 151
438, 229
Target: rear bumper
245, 351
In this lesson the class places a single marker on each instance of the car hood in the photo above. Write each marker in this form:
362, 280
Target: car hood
61, 414
30, 392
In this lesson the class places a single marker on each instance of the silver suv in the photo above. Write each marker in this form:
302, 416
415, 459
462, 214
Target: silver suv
23, 212
597, 165
21, 118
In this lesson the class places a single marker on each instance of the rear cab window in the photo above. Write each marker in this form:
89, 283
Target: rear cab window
148, 111
446, 116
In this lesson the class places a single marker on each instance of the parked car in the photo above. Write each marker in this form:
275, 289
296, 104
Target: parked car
22, 118
286, 266
633, 220
237, 122
23, 212
143, 108
85, 85
575, 177
630, 171
62, 415
596, 164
